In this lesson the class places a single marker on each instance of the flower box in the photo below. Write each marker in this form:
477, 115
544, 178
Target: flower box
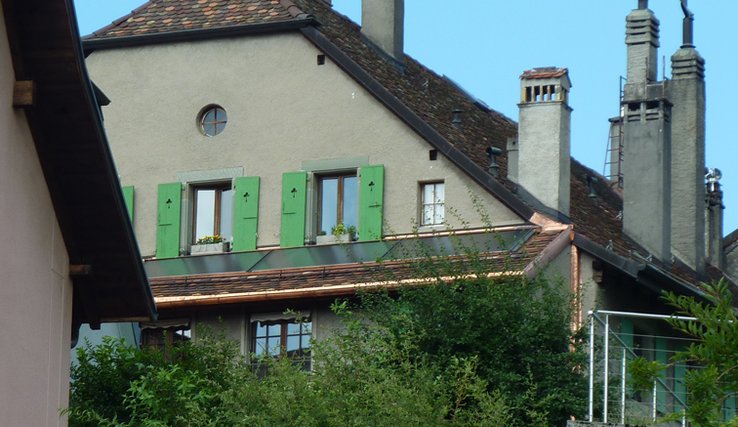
330, 238
209, 248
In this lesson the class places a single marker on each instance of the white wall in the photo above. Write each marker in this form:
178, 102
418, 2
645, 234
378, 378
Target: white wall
35, 291
283, 110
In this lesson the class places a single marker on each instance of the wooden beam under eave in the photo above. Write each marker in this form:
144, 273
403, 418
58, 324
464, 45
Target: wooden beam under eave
23, 94
78, 270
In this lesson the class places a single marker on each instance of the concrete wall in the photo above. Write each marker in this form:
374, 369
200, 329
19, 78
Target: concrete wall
284, 112
35, 291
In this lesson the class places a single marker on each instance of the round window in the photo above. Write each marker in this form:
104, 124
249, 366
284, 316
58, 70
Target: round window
212, 120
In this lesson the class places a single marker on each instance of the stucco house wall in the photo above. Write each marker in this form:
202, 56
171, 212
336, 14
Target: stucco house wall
34, 265
285, 113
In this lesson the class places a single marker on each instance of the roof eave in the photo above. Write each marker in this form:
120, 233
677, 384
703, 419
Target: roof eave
91, 44
77, 164
647, 274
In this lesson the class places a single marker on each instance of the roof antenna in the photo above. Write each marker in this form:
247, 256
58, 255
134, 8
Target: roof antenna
642, 4
687, 26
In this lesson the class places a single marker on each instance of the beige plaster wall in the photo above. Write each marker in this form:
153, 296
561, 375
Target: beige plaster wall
35, 291
283, 110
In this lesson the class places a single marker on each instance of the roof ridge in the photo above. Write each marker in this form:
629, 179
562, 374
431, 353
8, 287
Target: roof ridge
118, 21
293, 9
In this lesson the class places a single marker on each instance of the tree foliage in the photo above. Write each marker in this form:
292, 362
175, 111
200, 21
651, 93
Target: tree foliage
715, 350
713, 353
473, 352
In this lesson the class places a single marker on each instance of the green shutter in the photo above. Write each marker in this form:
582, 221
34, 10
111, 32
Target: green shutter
626, 332
680, 386
246, 213
168, 220
730, 408
128, 197
371, 195
294, 196
661, 356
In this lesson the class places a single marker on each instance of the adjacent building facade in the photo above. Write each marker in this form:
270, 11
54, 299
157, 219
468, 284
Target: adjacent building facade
62, 265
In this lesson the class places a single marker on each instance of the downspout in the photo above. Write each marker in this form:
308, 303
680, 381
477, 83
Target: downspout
576, 288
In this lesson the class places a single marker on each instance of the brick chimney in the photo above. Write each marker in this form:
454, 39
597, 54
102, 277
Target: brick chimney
543, 158
382, 22
642, 39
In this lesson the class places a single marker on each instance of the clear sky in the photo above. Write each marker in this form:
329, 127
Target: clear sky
484, 45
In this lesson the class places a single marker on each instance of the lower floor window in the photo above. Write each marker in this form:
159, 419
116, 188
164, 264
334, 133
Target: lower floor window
283, 337
161, 336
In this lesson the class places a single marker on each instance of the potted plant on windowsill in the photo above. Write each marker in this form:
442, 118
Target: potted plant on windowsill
209, 245
339, 234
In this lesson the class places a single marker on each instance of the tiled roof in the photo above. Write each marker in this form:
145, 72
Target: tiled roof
345, 279
731, 238
158, 16
430, 96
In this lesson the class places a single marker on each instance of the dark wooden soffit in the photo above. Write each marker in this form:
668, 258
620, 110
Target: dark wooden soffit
66, 125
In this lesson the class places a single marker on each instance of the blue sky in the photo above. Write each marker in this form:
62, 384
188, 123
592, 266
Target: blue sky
486, 44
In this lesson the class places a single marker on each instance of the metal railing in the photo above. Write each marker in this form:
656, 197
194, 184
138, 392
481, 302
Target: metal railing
608, 363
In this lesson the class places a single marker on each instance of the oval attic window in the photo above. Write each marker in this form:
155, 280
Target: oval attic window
212, 120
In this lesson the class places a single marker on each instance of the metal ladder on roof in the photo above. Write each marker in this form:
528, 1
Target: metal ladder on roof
613, 168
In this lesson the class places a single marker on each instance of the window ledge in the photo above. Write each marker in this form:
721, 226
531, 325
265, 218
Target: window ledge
432, 228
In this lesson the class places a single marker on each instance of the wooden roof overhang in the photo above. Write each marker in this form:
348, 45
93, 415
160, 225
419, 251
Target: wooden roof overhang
66, 124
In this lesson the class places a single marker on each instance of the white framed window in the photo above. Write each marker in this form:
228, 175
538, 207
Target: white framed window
212, 212
432, 203
337, 201
282, 336
212, 120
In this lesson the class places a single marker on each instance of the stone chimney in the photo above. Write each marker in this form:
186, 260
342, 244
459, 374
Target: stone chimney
543, 158
714, 219
687, 94
382, 22
646, 128
642, 39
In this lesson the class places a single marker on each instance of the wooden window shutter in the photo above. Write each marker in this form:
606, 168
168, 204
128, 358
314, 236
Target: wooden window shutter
294, 189
169, 208
371, 202
128, 198
246, 213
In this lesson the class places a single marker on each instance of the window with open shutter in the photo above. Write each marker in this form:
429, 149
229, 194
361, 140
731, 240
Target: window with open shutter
371, 202
169, 208
128, 198
294, 196
246, 213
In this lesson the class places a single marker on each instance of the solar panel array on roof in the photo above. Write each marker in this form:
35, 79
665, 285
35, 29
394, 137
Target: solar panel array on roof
357, 252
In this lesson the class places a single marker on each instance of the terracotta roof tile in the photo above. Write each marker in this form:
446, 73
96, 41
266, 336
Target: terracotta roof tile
158, 16
544, 73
